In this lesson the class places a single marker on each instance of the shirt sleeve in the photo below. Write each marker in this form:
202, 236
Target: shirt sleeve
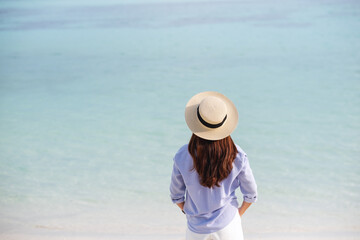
177, 186
247, 182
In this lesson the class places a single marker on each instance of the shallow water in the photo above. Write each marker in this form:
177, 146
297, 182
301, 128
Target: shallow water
92, 97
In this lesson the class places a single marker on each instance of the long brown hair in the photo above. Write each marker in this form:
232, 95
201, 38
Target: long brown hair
212, 159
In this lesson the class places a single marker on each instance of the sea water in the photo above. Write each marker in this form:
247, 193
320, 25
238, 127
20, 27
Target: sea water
92, 98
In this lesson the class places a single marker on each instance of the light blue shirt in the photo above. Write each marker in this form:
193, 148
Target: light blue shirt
210, 209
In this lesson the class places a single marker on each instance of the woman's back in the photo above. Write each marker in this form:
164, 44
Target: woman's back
210, 209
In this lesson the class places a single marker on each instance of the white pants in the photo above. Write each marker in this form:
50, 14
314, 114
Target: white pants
233, 231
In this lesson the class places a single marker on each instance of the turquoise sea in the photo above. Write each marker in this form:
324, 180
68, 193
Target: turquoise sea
92, 99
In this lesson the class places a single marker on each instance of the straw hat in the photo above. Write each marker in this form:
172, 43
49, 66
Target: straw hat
211, 115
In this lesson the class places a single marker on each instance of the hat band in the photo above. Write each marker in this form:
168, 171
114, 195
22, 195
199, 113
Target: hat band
209, 125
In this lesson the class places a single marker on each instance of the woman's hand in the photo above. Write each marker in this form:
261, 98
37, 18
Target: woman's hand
181, 205
243, 208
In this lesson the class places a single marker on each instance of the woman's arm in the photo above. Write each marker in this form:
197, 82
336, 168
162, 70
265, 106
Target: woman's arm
248, 185
177, 186
243, 208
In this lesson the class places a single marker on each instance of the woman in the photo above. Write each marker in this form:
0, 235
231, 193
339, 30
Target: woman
209, 169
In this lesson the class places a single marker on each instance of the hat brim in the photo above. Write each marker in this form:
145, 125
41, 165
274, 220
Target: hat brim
209, 133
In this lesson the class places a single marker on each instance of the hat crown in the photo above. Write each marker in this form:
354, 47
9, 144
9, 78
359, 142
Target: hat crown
212, 109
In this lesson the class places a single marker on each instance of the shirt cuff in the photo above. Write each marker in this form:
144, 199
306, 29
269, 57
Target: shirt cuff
250, 199
178, 200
